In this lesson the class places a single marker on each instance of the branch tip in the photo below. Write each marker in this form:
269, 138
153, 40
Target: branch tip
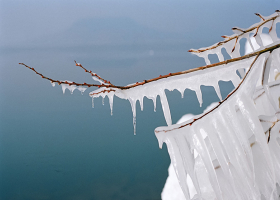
260, 16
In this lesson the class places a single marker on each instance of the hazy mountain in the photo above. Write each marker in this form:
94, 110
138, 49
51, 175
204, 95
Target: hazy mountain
110, 31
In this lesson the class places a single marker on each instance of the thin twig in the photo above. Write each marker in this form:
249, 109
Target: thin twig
234, 44
60, 82
160, 77
237, 36
260, 16
92, 74
271, 26
103, 91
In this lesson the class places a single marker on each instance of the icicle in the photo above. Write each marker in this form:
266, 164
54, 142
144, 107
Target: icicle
133, 107
103, 101
202, 149
217, 89
165, 108
199, 95
53, 84
220, 154
177, 162
141, 103
259, 40
226, 140
266, 69
182, 93
111, 98
155, 103
207, 61
82, 89
63, 87
250, 115
240, 136
240, 130
92, 102
250, 42
188, 159
220, 55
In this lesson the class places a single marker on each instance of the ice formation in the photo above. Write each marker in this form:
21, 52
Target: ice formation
172, 189
233, 150
237, 144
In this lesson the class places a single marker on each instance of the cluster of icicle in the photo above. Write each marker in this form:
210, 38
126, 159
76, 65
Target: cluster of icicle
233, 152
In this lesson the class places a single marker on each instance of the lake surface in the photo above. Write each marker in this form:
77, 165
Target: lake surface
55, 146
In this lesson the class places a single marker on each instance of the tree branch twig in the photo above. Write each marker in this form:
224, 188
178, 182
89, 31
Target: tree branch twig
237, 36
160, 77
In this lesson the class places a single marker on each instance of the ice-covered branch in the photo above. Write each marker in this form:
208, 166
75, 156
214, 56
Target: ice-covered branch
220, 103
95, 76
157, 78
268, 21
60, 82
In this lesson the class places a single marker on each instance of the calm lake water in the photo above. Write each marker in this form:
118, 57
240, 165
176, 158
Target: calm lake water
55, 146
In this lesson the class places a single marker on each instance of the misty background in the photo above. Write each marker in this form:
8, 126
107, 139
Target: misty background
54, 145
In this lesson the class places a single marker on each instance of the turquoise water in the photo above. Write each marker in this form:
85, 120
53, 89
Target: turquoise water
55, 146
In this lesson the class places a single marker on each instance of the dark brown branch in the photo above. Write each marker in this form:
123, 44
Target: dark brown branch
271, 26
92, 74
220, 103
260, 16
60, 82
103, 91
231, 38
235, 28
161, 76
234, 44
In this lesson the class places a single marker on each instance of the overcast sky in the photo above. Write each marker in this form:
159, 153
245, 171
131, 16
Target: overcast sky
30, 22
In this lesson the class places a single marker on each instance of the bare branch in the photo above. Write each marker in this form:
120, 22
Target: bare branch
92, 74
161, 76
60, 82
235, 44
258, 14
103, 91
231, 38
